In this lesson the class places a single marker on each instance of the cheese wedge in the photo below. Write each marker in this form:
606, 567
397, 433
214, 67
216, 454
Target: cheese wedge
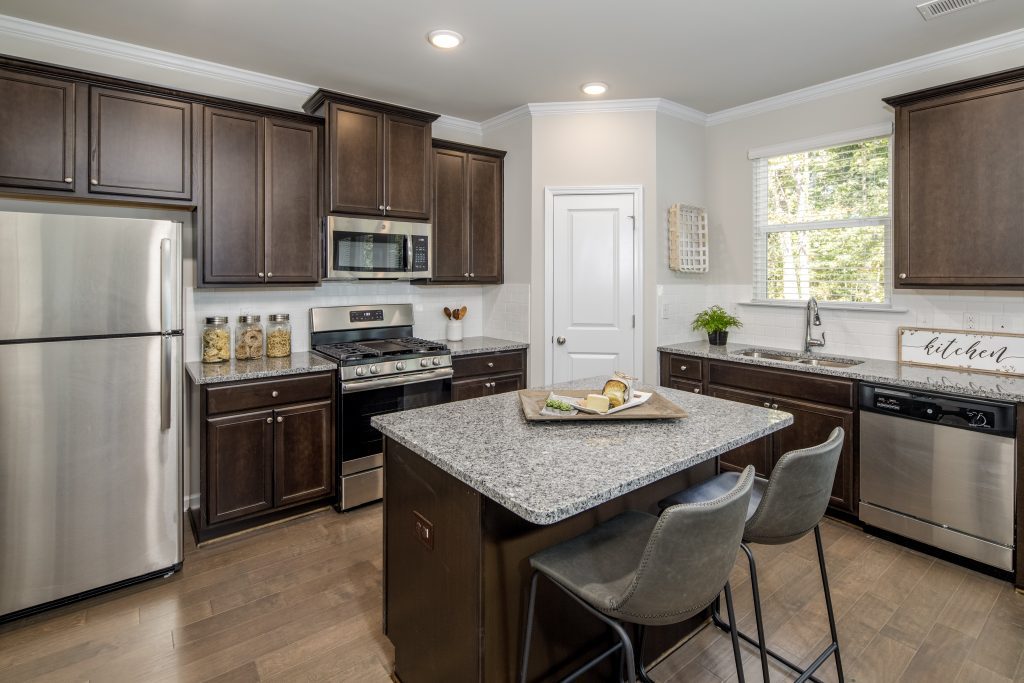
598, 402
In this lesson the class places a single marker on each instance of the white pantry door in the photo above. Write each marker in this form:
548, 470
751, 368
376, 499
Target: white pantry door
592, 285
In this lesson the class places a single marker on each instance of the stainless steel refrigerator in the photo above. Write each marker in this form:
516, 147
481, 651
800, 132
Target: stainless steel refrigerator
90, 405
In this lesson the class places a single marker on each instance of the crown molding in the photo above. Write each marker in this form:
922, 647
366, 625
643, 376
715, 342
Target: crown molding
461, 125
501, 120
537, 109
821, 141
924, 63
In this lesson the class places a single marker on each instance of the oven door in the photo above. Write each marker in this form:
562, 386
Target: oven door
360, 446
367, 249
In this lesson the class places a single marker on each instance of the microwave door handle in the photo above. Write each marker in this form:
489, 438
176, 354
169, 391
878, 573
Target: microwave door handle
408, 253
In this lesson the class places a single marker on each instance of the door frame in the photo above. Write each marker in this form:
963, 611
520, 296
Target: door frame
550, 192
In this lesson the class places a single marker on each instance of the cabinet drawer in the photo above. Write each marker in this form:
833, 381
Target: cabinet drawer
490, 364
794, 384
684, 366
261, 394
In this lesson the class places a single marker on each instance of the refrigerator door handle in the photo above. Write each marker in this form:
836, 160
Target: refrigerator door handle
166, 345
166, 287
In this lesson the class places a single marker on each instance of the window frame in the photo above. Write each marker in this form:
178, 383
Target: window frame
760, 190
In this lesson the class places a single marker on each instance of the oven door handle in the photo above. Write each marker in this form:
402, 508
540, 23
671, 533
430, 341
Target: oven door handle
368, 384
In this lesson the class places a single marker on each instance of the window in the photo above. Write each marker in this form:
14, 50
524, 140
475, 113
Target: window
822, 224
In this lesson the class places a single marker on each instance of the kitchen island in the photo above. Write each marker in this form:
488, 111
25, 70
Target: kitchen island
471, 490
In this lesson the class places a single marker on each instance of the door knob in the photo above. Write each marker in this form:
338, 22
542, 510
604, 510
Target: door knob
560, 340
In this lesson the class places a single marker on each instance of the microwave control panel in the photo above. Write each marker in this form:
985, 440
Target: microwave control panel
420, 253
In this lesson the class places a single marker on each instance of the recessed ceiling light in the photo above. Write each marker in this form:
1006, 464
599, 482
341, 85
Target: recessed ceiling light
595, 88
444, 39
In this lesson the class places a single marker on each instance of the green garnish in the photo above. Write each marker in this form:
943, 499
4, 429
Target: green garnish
558, 405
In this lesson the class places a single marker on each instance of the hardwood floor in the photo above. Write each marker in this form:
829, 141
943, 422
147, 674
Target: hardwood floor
302, 602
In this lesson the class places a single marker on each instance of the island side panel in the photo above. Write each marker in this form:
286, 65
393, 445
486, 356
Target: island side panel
565, 636
431, 570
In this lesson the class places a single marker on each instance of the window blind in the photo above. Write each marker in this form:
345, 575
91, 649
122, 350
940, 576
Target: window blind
822, 223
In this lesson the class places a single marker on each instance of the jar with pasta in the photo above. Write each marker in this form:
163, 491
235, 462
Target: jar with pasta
216, 340
279, 336
249, 338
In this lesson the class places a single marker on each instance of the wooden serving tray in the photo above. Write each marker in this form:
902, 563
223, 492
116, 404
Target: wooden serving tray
657, 407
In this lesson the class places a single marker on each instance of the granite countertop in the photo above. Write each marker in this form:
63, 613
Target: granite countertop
298, 363
978, 385
546, 472
470, 345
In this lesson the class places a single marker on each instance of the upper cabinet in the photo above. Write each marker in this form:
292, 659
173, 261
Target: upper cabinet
378, 157
37, 132
139, 145
468, 213
260, 208
959, 170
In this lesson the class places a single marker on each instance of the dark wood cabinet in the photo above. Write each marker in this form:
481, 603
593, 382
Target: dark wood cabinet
266, 450
37, 132
959, 166
260, 216
378, 156
139, 144
468, 213
487, 374
757, 453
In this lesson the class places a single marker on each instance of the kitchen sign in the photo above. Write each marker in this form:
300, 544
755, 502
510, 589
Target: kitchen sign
990, 352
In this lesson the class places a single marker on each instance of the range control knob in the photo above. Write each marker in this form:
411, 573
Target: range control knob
374, 370
425, 362
400, 365
360, 372
437, 361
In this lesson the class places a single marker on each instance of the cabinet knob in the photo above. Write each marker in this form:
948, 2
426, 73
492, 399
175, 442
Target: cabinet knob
260, 274
380, 208
280, 419
903, 276
387, 208
490, 365
94, 181
682, 368
274, 393
269, 274
775, 406
697, 390
767, 404
270, 420
68, 180
465, 275
472, 274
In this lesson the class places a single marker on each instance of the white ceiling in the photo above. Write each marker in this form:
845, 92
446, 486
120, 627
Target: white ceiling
706, 54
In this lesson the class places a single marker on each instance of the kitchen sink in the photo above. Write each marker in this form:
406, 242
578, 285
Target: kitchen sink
829, 362
768, 355
797, 359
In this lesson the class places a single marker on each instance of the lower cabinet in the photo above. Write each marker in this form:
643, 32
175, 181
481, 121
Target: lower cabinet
266, 451
488, 374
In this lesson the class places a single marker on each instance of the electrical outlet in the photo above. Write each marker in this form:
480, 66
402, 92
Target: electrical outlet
970, 321
666, 311
424, 530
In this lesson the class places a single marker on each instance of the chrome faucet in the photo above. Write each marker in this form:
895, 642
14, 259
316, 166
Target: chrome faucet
812, 319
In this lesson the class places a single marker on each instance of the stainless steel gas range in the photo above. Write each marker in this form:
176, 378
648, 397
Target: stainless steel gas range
382, 369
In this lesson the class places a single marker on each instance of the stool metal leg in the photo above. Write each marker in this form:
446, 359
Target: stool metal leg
529, 627
733, 630
638, 655
828, 604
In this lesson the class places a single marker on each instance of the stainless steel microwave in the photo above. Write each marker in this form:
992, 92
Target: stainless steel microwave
377, 249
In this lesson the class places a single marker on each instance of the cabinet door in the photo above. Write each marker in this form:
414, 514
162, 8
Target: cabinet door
407, 167
233, 240
139, 145
37, 132
451, 229
470, 388
239, 465
303, 453
356, 160
292, 212
506, 383
959, 205
685, 385
757, 453
485, 218
812, 423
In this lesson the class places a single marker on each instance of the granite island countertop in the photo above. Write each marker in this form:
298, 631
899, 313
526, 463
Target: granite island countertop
974, 384
300, 362
546, 472
472, 345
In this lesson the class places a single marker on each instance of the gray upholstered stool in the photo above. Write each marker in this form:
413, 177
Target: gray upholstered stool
649, 571
783, 508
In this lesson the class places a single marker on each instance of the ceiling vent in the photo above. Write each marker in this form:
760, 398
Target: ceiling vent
938, 8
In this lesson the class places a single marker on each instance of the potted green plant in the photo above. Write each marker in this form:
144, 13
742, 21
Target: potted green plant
716, 321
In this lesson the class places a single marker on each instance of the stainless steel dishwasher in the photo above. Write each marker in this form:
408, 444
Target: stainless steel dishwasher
939, 469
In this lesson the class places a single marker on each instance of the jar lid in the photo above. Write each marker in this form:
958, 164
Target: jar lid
248, 318
278, 317
217, 320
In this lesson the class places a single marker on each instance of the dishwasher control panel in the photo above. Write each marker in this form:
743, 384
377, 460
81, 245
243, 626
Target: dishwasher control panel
952, 411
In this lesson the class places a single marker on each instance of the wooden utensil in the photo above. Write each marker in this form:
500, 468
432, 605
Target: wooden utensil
448, 312
462, 313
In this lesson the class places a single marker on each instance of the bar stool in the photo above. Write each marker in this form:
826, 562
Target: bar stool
783, 508
646, 570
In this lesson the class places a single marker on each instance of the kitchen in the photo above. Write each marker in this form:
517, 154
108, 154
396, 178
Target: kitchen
270, 181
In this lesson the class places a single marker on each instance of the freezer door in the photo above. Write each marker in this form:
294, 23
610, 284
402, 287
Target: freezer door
90, 465
77, 276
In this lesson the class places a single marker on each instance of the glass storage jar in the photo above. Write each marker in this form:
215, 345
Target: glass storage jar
279, 336
249, 338
216, 339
